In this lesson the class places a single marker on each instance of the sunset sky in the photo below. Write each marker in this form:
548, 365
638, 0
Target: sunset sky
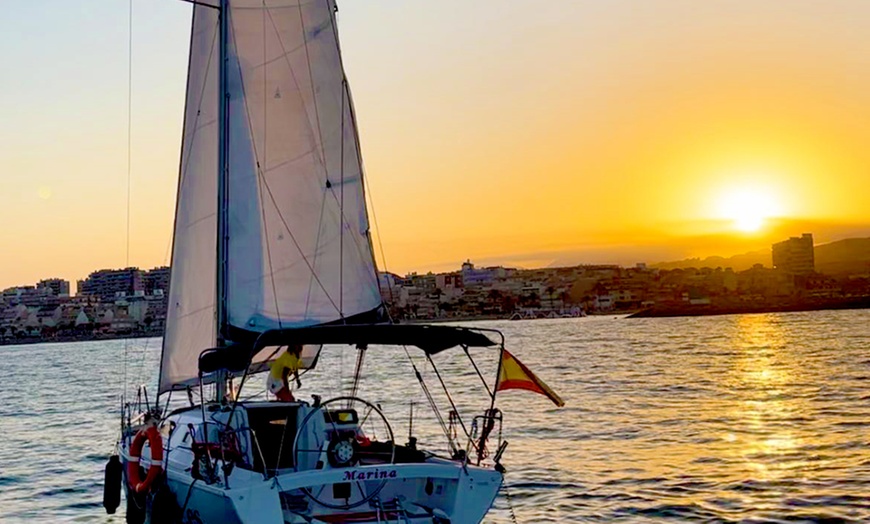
510, 131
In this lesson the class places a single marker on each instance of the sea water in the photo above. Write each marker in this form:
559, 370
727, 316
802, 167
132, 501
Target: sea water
738, 418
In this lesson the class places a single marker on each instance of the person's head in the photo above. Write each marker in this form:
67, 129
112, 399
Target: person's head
296, 349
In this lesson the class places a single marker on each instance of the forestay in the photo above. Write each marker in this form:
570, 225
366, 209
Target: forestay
298, 251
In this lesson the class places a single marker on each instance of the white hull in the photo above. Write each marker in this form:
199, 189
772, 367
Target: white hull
466, 498
429, 490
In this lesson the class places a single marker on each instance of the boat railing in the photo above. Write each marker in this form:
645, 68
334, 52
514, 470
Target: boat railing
136, 412
482, 428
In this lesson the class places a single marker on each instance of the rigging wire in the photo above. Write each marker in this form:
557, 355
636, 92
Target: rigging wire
129, 160
450, 441
129, 123
140, 368
380, 242
357, 374
356, 143
322, 150
448, 395
341, 210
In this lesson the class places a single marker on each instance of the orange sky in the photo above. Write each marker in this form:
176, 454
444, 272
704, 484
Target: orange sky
505, 133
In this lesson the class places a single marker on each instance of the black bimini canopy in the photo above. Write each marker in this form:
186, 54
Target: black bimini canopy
431, 339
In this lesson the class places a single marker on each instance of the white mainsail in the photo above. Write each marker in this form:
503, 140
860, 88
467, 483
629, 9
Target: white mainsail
298, 250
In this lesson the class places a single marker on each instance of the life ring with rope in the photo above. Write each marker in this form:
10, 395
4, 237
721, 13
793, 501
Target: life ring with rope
155, 442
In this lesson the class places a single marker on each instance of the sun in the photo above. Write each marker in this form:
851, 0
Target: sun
44, 192
747, 208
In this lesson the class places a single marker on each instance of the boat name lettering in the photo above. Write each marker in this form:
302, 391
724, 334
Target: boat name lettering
371, 475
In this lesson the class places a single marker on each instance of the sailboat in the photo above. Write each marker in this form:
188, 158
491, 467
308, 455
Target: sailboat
271, 251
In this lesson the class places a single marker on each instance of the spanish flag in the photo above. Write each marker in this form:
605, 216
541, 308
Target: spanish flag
513, 374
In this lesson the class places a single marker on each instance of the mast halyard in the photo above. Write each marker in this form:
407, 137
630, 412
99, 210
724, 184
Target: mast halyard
222, 197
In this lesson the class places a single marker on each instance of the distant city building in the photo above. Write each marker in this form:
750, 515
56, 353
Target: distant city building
28, 295
389, 284
156, 280
130, 301
472, 276
425, 282
448, 280
109, 284
13, 295
57, 286
795, 256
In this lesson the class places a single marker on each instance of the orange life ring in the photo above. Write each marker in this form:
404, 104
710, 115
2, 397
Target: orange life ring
156, 443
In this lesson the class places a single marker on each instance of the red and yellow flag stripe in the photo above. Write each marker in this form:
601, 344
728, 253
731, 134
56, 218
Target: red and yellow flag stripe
513, 374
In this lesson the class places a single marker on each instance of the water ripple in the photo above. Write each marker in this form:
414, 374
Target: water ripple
743, 419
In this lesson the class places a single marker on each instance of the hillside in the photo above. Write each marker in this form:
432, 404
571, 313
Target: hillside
848, 256
736, 262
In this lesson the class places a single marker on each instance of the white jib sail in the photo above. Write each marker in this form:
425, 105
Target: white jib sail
190, 318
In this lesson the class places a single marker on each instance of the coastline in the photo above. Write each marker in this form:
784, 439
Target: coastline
698, 310
443, 320
660, 311
24, 341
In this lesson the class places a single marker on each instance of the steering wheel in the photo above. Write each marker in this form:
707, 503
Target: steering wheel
344, 447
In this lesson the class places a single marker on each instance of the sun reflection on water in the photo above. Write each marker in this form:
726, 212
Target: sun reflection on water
765, 368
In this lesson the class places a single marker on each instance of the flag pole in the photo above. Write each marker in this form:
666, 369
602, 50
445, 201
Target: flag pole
497, 375
477, 369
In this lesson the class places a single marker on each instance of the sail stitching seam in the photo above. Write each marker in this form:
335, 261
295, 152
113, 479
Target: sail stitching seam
195, 311
314, 148
265, 161
311, 85
196, 126
286, 56
357, 241
296, 243
316, 251
265, 184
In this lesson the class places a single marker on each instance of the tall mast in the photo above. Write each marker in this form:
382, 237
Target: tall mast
223, 139
222, 207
